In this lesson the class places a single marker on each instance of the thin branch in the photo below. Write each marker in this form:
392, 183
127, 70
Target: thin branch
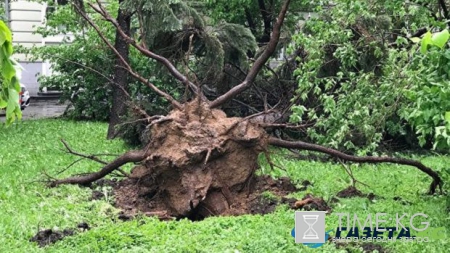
90, 157
128, 157
259, 63
127, 66
349, 171
437, 181
70, 165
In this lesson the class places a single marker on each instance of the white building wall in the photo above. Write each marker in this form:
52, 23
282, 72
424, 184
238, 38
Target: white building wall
24, 18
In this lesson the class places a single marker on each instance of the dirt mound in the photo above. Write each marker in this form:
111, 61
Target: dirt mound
48, 236
309, 203
350, 192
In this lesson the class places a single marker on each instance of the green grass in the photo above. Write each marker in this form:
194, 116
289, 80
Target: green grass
29, 148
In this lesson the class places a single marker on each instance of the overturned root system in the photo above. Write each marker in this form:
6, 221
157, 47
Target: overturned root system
199, 160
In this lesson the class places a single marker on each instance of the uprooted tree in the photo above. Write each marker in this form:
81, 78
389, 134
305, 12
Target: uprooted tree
197, 155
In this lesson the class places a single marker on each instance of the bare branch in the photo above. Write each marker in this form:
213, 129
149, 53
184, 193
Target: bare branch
90, 157
125, 63
128, 157
437, 181
259, 63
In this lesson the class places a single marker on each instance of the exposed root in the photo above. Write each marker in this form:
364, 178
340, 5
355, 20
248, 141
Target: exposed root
90, 157
437, 181
128, 157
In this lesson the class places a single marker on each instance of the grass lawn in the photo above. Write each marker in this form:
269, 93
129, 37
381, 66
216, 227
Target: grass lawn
29, 148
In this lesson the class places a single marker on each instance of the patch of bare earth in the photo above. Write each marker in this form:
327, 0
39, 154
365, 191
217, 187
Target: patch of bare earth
309, 203
49, 236
247, 198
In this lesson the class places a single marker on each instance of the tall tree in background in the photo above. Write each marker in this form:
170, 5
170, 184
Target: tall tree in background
120, 78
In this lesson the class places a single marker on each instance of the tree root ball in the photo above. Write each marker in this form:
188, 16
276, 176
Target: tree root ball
198, 158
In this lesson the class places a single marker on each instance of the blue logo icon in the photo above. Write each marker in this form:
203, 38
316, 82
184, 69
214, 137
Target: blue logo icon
314, 245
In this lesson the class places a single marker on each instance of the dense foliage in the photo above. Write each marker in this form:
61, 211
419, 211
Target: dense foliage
363, 80
83, 67
9, 80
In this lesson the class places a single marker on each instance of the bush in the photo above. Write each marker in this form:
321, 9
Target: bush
358, 68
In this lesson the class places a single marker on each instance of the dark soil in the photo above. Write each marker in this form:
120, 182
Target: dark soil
309, 203
48, 236
97, 185
262, 205
350, 192
246, 199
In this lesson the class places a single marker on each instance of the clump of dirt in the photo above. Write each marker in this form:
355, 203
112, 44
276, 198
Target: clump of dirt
48, 236
262, 205
350, 192
309, 203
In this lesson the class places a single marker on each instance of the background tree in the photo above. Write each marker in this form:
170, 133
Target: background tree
361, 83
120, 76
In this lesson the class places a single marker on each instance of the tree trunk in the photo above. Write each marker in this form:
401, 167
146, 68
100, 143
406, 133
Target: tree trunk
267, 20
119, 98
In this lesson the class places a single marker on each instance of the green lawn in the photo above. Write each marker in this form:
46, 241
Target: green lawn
29, 148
